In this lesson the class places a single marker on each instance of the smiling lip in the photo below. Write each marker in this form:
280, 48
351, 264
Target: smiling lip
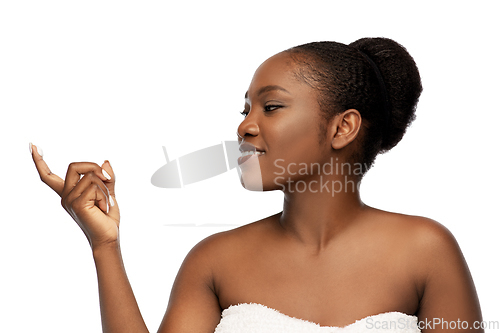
245, 146
248, 155
248, 151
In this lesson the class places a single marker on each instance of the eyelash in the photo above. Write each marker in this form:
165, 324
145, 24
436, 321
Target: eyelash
266, 109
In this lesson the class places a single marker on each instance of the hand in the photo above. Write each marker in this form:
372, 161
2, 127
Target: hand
90, 200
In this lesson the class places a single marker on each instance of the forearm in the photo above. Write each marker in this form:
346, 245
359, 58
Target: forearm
119, 310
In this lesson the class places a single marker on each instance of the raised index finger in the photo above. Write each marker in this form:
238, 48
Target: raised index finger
53, 181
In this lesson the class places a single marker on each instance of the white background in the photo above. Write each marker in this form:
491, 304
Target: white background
96, 80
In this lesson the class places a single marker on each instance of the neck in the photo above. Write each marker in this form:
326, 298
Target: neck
316, 217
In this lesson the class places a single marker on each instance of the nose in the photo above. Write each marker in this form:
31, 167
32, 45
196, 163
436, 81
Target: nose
248, 126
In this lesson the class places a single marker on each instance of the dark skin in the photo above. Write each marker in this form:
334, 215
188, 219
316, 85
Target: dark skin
329, 259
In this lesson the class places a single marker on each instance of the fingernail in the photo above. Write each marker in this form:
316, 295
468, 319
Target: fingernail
111, 201
107, 208
105, 174
40, 151
31, 149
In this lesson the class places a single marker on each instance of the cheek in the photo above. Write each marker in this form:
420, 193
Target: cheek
296, 139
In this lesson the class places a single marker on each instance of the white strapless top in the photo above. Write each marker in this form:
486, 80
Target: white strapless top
258, 318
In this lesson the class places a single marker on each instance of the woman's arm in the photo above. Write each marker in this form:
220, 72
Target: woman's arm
449, 302
87, 194
119, 309
193, 304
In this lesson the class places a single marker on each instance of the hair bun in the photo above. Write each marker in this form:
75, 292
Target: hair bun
402, 82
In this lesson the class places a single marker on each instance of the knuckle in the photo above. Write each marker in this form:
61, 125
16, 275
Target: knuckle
63, 202
94, 166
89, 175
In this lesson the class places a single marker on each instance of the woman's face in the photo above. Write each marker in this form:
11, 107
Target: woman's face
283, 122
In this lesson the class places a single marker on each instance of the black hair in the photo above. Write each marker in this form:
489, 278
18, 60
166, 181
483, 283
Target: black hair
346, 78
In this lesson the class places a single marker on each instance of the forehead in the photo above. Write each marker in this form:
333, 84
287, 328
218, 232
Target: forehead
279, 70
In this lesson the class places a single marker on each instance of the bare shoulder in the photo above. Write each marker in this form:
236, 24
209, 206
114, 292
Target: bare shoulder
429, 232
426, 243
442, 275
433, 240
220, 247
195, 292
436, 251
421, 233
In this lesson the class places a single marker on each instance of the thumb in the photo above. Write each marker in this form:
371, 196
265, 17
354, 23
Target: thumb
110, 183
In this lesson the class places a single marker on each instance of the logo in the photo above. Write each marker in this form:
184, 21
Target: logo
207, 163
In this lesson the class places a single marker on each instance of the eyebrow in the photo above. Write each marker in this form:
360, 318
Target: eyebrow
267, 89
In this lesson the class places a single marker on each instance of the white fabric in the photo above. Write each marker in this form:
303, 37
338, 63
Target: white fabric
257, 318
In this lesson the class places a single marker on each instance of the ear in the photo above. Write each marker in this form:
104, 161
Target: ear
344, 128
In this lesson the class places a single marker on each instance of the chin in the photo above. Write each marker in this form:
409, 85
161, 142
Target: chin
251, 182
258, 186
258, 182
250, 175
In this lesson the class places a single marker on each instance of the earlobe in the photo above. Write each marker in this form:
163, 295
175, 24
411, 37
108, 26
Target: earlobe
345, 128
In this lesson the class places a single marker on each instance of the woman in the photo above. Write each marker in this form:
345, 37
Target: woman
316, 116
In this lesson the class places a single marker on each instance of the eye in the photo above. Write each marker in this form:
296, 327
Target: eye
269, 108
246, 110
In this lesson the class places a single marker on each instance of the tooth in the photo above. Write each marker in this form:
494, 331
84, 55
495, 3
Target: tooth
246, 153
